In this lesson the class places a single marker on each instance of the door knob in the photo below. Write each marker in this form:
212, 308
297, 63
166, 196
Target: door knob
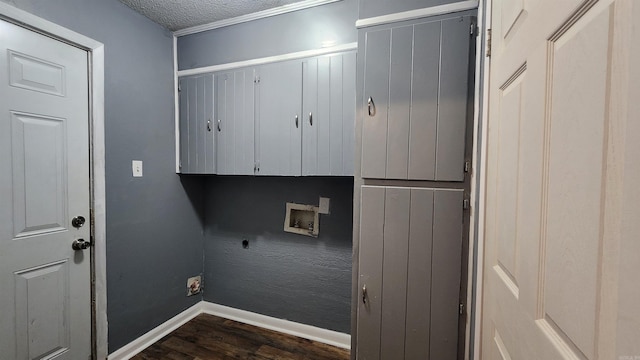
80, 244
78, 221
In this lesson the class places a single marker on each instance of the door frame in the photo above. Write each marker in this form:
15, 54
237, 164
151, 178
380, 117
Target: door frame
95, 52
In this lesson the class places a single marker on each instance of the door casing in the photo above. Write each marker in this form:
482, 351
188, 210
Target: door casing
95, 52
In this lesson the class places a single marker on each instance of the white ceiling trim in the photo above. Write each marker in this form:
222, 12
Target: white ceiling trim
254, 16
417, 14
270, 59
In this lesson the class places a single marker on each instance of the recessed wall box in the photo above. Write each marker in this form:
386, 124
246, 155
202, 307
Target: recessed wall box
302, 219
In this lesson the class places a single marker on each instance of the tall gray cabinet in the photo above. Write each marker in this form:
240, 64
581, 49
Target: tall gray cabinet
414, 107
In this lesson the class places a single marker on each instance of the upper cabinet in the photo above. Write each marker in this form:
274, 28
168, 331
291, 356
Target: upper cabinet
235, 122
416, 100
197, 140
287, 118
373, 8
328, 110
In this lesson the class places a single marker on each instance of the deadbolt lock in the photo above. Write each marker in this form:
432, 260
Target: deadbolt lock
78, 221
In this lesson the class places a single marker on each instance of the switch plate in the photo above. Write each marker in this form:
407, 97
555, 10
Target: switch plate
136, 167
323, 208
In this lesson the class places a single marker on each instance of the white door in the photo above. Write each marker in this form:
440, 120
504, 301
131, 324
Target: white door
45, 296
562, 211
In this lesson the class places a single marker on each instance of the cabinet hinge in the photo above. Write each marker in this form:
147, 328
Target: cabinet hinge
466, 204
461, 309
179, 86
180, 165
488, 43
473, 29
467, 166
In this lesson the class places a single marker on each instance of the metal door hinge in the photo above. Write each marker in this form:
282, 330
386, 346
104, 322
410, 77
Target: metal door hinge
461, 309
467, 166
488, 43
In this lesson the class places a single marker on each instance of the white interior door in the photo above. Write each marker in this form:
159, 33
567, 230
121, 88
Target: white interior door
45, 296
562, 181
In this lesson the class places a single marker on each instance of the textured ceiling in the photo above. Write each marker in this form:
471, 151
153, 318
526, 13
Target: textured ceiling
180, 14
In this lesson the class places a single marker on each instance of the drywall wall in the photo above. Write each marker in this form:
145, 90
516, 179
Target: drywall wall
372, 8
154, 230
292, 32
283, 275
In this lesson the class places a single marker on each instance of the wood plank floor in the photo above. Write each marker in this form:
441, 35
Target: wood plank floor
211, 337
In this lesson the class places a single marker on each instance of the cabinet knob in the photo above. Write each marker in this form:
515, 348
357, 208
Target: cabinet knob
218, 125
364, 294
296, 121
311, 119
371, 107
209, 125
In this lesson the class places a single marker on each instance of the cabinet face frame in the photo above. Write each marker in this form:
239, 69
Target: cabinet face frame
469, 177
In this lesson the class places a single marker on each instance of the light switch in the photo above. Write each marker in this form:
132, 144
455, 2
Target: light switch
323, 208
136, 167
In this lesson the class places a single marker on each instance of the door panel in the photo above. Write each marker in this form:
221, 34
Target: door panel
556, 160
419, 75
310, 107
410, 265
280, 142
44, 151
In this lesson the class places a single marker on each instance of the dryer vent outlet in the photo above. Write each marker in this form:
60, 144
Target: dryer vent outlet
194, 285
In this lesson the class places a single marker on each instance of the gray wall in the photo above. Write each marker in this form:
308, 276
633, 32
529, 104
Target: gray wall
371, 8
286, 33
154, 232
284, 275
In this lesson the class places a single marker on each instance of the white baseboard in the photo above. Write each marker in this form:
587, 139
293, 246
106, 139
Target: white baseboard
131, 349
325, 336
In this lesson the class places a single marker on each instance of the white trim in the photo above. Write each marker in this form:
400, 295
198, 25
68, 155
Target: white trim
269, 59
417, 14
482, 191
301, 5
176, 97
136, 346
325, 336
96, 63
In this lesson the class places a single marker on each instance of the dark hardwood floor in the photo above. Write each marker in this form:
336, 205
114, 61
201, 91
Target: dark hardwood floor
211, 337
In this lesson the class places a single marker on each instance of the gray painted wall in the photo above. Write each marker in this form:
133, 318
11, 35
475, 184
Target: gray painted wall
154, 230
297, 31
284, 275
371, 8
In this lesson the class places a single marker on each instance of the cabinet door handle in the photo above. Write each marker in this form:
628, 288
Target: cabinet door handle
311, 119
209, 125
218, 125
371, 107
296, 121
364, 294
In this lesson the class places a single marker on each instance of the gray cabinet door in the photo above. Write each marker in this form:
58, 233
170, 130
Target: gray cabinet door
234, 122
328, 115
415, 100
409, 275
279, 104
196, 134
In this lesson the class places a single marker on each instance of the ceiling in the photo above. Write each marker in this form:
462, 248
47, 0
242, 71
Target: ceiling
181, 14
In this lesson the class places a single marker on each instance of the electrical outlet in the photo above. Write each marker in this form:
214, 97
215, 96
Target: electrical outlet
136, 167
194, 285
